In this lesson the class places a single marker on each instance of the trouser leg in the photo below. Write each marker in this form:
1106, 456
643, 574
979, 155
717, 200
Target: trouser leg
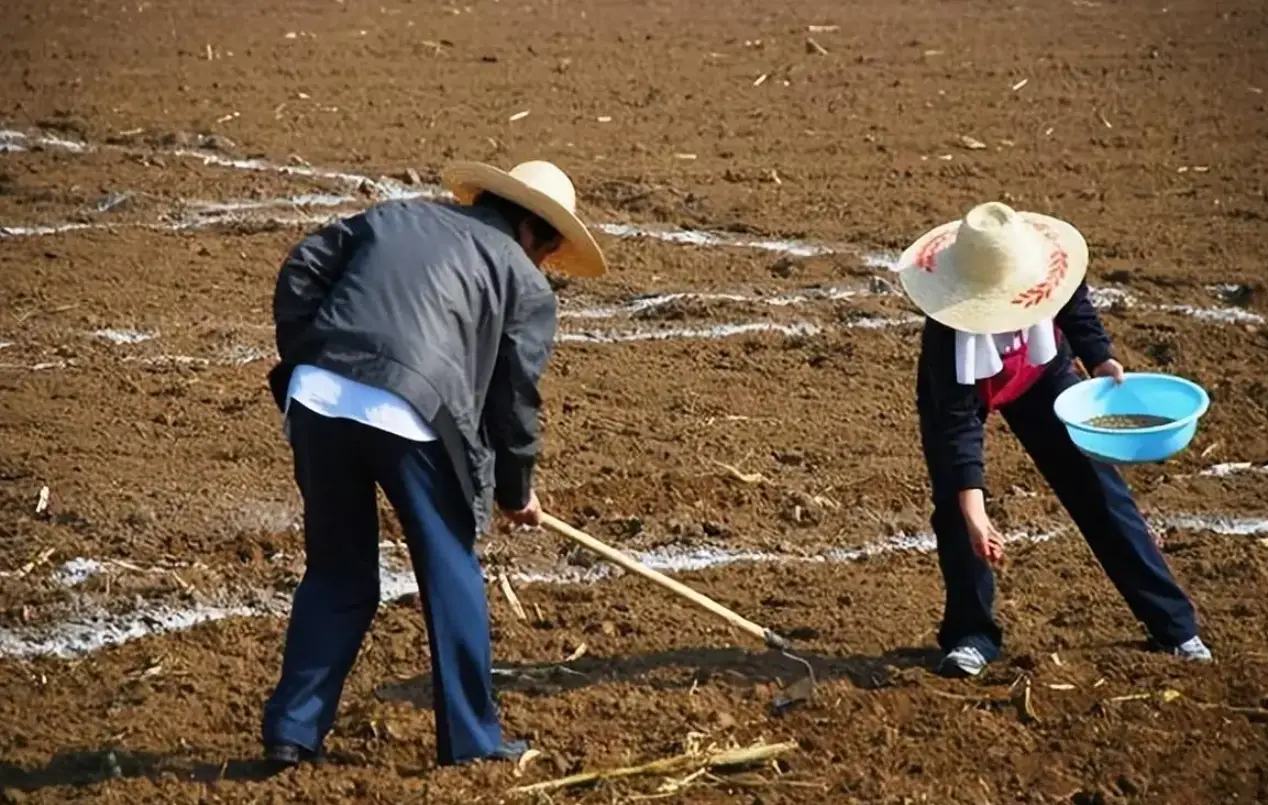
339, 594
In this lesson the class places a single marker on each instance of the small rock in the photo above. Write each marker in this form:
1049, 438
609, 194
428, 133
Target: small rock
65, 123
609, 628
724, 720
216, 142
715, 530
580, 558
410, 601
113, 201
141, 517
1128, 787
785, 268
629, 526
412, 177
790, 458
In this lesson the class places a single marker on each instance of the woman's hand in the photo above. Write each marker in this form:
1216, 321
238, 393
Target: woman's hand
987, 542
1111, 369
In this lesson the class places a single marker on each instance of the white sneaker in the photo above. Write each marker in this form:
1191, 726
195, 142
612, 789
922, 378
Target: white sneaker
1193, 650
963, 661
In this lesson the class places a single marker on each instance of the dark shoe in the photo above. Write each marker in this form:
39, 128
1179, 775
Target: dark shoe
507, 750
290, 755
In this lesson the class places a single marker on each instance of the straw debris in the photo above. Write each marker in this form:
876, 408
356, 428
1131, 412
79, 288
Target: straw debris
694, 765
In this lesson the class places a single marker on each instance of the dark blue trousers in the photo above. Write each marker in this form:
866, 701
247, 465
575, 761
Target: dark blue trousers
1100, 504
338, 464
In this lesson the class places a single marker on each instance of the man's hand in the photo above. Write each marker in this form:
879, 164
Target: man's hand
1112, 369
530, 515
988, 543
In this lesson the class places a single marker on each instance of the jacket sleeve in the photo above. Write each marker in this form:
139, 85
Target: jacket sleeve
513, 403
951, 423
1081, 325
307, 275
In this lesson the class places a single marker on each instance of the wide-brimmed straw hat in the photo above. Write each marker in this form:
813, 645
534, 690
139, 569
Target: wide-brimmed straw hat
541, 188
995, 271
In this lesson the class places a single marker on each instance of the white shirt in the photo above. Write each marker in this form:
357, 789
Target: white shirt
336, 396
977, 357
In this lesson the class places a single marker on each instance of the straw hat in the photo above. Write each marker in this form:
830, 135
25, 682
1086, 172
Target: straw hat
541, 188
996, 271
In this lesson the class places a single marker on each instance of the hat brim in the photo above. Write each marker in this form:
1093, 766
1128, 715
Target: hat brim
930, 279
578, 256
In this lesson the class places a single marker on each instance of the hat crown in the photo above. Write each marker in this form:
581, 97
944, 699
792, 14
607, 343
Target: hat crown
994, 242
547, 179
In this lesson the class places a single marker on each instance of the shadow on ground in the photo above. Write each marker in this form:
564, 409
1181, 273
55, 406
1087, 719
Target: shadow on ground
696, 667
88, 766
85, 767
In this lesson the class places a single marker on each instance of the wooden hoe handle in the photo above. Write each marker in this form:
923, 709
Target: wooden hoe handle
617, 558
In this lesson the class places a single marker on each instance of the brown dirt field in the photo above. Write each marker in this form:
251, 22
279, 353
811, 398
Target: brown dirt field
1144, 125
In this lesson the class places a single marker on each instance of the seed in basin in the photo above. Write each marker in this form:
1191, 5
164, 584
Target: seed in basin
1128, 421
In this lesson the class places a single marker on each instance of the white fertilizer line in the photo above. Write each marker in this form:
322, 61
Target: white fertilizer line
88, 633
792, 330
644, 304
119, 336
212, 213
640, 306
1219, 315
1102, 298
242, 355
1234, 468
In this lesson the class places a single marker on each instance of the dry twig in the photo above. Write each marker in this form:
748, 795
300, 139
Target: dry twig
512, 598
697, 762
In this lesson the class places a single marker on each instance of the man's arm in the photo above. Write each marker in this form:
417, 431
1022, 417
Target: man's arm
1081, 325
307, 275
513, 403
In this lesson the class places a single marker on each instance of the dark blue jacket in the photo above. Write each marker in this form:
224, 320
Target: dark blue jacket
953, 416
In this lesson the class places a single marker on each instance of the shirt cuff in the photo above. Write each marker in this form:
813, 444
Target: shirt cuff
1095, 357
970, 476
514, 487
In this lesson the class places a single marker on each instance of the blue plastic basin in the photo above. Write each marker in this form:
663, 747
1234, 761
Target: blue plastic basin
1177, 399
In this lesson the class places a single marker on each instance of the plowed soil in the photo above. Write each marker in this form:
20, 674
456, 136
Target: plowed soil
734, 401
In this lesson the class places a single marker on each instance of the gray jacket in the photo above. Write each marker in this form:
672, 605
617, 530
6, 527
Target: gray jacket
438, 304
